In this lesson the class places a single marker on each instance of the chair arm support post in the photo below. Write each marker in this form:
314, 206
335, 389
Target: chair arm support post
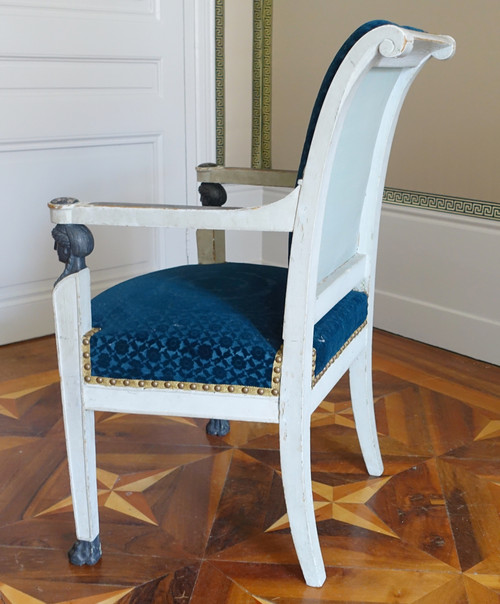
211, 243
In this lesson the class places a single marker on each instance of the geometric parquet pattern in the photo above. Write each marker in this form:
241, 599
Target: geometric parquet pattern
188, 518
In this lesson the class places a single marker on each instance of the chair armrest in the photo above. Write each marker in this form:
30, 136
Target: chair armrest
246, 176
277, 216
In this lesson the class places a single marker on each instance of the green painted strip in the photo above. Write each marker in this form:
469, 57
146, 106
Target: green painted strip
220, 116
261, 83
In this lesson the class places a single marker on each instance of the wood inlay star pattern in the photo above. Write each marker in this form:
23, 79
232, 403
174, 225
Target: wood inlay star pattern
18, 396
345, 503
124, 494
14, 596
190, 519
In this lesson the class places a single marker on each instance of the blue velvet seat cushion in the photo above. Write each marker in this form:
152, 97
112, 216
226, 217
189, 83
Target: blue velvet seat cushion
214, 324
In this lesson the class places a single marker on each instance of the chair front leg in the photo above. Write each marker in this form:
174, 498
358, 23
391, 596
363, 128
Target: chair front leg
212, 250
71, 299
80, 445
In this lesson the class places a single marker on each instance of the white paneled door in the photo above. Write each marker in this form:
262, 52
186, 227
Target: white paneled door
93, 106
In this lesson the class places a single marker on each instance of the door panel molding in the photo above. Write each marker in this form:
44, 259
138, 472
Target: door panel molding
93, 75
98, 7
131, 126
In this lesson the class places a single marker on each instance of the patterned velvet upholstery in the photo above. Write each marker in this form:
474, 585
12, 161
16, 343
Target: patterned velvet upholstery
206, 324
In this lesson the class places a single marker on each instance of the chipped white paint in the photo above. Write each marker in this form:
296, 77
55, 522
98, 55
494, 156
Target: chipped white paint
278, 216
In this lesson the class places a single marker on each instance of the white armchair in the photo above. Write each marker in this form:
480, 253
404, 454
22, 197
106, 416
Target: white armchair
241, 341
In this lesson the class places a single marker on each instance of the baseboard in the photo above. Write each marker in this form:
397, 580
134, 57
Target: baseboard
27, 313
447, 328
436, 280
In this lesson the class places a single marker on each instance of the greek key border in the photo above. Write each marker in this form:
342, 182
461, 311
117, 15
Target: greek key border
220, 113
261, 120
462, 206
261, 83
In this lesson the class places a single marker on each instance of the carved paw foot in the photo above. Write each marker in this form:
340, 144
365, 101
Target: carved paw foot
85, 552
218, 427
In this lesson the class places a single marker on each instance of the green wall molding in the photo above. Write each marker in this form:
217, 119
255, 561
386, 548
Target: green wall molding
261, 83
220, 115
462, 206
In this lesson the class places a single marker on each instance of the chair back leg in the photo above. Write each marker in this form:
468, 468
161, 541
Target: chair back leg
360, 379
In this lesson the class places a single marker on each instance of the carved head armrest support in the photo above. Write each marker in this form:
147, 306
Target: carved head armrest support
73, 242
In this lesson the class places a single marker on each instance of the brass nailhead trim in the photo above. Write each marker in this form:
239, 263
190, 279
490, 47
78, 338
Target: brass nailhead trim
316, 378
106, 381
274, 391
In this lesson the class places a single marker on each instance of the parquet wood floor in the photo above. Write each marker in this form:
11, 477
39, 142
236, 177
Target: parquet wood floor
188, 518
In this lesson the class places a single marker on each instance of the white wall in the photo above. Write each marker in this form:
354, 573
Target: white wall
436, 273
122, 117
437, 280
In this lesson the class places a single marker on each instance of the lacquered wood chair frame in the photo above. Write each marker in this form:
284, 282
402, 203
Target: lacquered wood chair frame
314, 286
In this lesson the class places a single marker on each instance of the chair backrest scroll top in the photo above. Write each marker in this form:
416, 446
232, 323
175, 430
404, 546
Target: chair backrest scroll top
338, 212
